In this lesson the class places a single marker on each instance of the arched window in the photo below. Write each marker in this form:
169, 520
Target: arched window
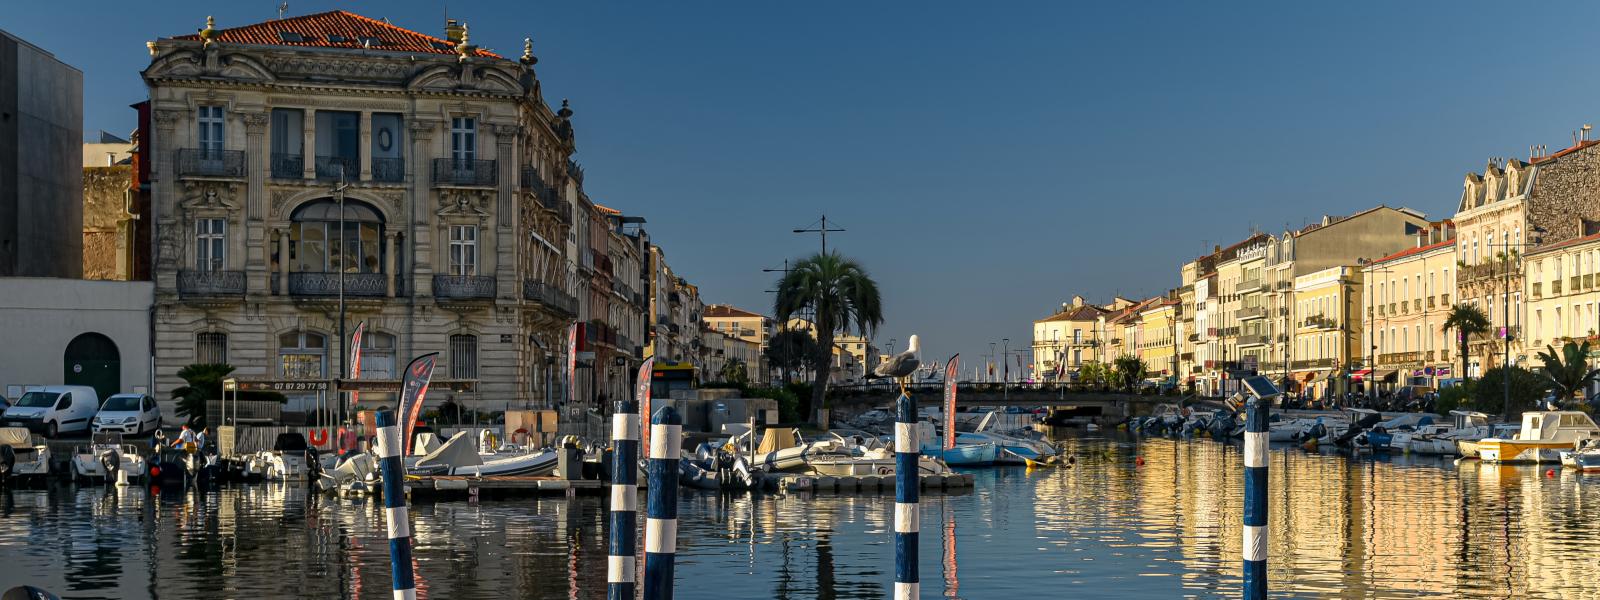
211, 348
302, 355
463, 356
317, 246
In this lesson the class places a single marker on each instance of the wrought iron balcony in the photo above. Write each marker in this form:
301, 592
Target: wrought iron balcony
210, 283
388, 169
1252, 339
532, 182
331, 168
463, 172
463, 286
1251, 312
1314, 363
288, 166
1400, 358
198, 162
327, 284
538, 291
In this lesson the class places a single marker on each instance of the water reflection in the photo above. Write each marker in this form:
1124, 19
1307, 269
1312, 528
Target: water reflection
1342, 528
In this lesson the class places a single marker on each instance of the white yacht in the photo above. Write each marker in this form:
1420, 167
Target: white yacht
1544, 434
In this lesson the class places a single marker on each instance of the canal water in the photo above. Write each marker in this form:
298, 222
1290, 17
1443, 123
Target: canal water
1401, 527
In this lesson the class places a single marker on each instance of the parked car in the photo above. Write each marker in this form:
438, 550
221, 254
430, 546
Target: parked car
128, 414
53, 410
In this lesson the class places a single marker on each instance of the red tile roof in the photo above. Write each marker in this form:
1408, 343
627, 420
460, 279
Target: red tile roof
319, 31
1575, 148
1416, 250
1087, 312
1564, 243
724, 310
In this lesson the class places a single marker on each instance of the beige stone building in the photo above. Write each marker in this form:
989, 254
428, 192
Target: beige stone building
1327, 334
1559, 311
424, 178
1064, 341
1159, 329
1407, 298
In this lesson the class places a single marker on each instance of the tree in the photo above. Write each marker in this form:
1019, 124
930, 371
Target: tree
734, 371
1467, 321
1094, 374
1568, 372
1527, 389
840, 295
789, 349
1130, 371
205, 384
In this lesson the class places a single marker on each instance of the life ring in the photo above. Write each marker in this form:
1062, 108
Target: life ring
319, 437
523, 440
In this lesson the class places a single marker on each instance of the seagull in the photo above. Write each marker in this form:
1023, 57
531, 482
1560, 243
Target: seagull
900, 366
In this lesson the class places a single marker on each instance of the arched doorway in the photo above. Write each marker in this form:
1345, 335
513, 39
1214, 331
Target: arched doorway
92, 359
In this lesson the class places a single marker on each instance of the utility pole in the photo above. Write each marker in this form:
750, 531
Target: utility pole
822, 229
338, 196
784, 326
1005, 368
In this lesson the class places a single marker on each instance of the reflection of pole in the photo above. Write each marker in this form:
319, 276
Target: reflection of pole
394, 504
906, 512
661, 530
952, 583
624, 500
1255, 499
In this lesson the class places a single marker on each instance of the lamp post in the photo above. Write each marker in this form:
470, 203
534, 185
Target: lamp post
991, 362
338, 196
1005, 369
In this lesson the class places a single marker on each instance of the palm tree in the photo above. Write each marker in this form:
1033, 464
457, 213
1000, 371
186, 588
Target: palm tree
1568, 371
1468, 321
734, 371
1130, 369
205, 384
839, 294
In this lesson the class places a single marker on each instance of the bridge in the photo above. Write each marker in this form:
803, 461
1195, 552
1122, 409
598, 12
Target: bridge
1062, 401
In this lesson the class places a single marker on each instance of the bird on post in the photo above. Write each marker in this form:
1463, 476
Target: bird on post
900, 366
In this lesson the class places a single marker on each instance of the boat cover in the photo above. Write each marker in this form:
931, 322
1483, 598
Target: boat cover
458, 451
16, 437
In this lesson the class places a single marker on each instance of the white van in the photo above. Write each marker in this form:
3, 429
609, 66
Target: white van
53, 409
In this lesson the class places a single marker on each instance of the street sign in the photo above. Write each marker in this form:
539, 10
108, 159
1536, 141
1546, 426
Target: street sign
284, 385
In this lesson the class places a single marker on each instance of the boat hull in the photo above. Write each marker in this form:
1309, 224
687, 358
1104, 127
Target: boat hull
966, 455
1510, 452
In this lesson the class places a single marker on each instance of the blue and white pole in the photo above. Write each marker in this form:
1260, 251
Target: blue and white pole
394, 505
907, 513
661, 523
624, 501
1255, 498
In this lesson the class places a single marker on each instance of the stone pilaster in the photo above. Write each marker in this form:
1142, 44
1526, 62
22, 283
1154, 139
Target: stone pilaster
506, 240
256, 244
420, 209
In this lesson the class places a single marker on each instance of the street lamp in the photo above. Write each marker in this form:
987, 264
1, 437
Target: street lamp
1005, 368
338, 196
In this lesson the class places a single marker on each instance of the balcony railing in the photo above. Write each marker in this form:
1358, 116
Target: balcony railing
1381, 310
327, 284
210, 283
1576, 281
1444, 299
1400, 358
1416, 304
1319, 322
1555, 288
463, 286
531, 181
1431, 300
1251, 312
538, 291
1538, 289
288, 166
1252, 339
452, 171
1314, 363
388, 169
331, 168
197, 162
1249, 285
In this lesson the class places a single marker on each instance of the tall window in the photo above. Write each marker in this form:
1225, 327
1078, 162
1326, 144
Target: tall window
463, 250
210, 129
463, 356
317, 246
211, 348
211, 242
302, 354
463, 138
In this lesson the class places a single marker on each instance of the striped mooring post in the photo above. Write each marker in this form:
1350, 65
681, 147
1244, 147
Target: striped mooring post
1255, 498
394, 505
624, 501
661, 512
907, 513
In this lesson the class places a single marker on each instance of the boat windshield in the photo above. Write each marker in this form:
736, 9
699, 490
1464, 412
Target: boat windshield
38, 399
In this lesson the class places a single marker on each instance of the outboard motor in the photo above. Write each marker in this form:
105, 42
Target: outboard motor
1357, 429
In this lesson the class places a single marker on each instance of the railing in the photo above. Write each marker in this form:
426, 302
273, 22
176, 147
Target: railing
331, 168
1416, 304
1393, 310
538, 291
288, 166
531, 182
1431, 298
327, 284
1283, 285
1251, 312
1314, 363
1576, 280
1588, 281
210, 283
197, 162
1319, 322
388, 169
452, 171
1444, 299
1247, 285
1538, 291
463, 286
1381, 310
1394, 358
1428, 356
1444, 355
1252, 339
1405, 308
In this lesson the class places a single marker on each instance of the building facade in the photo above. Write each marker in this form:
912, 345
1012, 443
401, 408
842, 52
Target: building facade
41, 177
1064, 341
1407, 300
1327, 337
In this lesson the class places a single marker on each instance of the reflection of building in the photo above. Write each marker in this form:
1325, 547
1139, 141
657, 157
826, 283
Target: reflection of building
454, 180
1406, 301
40, 168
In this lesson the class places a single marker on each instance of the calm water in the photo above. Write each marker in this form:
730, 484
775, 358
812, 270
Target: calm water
1341, 528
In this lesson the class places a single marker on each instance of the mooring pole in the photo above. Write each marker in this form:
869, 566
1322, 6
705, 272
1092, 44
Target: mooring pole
661, 525
394, 505
906, 495
1255, 498
620, 571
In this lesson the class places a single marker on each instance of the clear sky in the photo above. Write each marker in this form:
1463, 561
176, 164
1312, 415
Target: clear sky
989, 160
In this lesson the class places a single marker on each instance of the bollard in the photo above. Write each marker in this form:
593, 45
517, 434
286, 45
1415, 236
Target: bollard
906, 494
1255, 499
620, 569
394, 505
661, 524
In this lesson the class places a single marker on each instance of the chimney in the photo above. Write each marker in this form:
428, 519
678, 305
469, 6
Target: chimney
1077, 301
452, 31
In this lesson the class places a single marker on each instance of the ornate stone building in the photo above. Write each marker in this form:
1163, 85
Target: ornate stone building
422, 179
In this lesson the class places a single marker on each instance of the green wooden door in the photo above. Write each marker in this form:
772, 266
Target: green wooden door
92, 359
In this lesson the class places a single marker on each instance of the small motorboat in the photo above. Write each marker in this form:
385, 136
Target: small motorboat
106, 457
1585, 457
1015, 448
1544, 434
290, 459
965, 455
23, 454
878, 461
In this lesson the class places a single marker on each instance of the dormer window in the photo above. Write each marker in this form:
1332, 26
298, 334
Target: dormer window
290, 36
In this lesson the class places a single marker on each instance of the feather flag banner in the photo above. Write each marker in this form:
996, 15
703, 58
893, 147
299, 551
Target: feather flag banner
950, 370
413, 389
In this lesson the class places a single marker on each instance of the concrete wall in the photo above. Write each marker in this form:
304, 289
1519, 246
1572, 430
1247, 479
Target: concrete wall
105, 221
40, 316
41, 135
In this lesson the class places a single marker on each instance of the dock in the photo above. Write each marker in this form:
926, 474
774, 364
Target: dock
869, 484
454, 486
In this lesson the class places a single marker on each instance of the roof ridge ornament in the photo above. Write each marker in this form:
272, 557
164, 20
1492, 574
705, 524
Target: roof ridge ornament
527, 52
209, 34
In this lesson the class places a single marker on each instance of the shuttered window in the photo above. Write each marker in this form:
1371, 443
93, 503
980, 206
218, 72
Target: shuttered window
463, 357
211, 348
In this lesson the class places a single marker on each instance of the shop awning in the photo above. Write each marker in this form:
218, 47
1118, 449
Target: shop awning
1389, 376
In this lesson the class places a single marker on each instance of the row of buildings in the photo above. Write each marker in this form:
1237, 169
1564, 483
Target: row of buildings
292, 178
1357, 303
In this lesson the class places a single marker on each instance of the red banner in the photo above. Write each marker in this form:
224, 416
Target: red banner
355, 360
572, 363
641, 394
412, 391
950, 370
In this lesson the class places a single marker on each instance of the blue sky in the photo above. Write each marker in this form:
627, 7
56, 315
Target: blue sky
988, 159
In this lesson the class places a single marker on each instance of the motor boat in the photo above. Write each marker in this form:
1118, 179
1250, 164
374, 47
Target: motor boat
1361, 420
1440, 439
353, 474
290, 459
1322, 431
23, 454
1585, 457
459, 456
961, 455
1017, 447
1468, 447
1383, 436
106, 457
1544, 434
877, 461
